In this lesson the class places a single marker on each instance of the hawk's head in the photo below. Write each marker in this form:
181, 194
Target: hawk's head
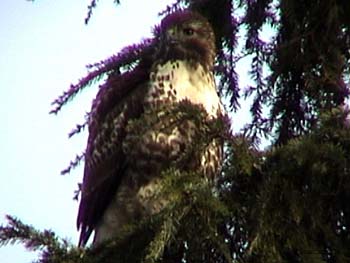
187, 35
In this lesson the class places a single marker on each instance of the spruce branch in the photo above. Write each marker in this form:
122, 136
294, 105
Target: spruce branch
124, 58
52, 248
91, 7
74, 163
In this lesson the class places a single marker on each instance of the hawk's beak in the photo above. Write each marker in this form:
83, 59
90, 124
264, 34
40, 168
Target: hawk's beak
173, 41
171, 37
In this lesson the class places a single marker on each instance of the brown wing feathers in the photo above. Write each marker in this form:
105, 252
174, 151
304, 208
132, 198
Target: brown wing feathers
119, 100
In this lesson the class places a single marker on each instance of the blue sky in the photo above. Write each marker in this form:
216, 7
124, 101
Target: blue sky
44, 47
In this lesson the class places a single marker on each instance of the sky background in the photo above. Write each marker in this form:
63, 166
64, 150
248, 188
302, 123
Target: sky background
44, 47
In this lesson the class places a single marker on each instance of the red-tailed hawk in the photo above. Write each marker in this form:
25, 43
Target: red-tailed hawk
136, 130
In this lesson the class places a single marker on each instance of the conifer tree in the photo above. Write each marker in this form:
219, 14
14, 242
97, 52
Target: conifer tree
288, 203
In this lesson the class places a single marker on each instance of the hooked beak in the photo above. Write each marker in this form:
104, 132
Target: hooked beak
173, 41
171, 37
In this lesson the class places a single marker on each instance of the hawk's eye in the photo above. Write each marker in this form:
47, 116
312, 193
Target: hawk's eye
188, 31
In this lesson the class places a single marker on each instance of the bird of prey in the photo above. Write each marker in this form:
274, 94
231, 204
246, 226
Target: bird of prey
137, 130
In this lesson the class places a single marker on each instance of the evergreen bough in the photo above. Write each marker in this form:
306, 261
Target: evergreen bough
288, 203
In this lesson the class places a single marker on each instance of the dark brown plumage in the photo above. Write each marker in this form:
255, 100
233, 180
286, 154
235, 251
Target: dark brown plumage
136, 130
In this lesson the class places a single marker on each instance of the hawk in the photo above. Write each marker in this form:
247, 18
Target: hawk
138, 127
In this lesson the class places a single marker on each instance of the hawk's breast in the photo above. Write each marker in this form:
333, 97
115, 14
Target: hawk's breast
179, 80
164, 138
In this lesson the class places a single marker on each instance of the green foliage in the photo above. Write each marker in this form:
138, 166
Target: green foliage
188, 223
190, 219
303, 203
52, 248
288, 204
